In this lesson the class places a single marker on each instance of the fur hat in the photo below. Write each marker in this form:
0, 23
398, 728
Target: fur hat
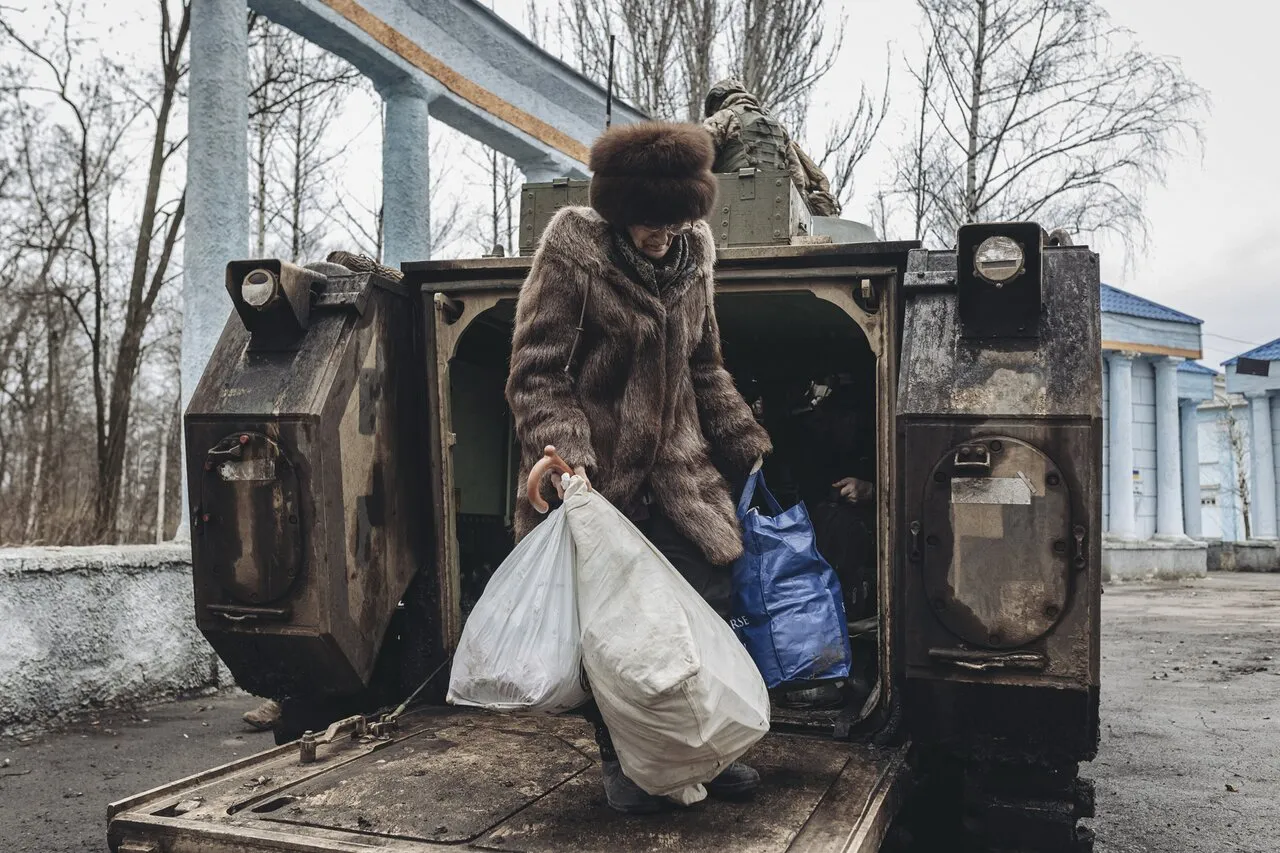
656, 173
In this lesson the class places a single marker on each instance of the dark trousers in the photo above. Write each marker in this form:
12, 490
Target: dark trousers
713, 583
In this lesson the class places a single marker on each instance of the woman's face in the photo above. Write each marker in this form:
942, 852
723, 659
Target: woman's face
654, 241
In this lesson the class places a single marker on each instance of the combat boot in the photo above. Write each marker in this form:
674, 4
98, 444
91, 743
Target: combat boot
264, 717
624, 795
736, 782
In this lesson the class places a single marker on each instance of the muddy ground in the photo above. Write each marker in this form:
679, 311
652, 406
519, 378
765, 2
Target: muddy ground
1190, 755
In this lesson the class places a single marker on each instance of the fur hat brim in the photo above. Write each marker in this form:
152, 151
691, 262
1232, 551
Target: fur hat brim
654, 173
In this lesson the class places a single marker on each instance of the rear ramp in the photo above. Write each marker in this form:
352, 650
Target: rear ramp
475, 781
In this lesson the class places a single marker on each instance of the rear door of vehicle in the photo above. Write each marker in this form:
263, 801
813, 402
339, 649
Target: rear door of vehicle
479, 781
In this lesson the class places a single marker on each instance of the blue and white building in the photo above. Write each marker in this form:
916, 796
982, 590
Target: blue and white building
1152, 390
1191, 456
1259, 383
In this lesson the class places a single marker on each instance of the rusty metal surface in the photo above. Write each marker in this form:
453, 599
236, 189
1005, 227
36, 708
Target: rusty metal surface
995, 557
1041, 598
448, 786
334, 537
1060, 374
795, 774
493, 782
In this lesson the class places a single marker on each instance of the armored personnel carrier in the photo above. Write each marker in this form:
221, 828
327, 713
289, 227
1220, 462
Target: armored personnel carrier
352, 465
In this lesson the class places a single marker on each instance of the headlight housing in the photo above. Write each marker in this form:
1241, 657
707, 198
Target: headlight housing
998, 279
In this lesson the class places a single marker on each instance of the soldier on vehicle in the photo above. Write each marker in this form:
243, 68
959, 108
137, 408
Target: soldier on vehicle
748, 137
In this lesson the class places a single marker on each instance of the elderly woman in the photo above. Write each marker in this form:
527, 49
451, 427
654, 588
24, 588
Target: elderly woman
616, 361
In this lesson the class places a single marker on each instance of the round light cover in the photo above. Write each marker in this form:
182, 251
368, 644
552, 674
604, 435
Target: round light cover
257, 288
999, 259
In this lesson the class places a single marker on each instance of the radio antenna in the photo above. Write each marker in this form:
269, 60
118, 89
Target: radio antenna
608, 97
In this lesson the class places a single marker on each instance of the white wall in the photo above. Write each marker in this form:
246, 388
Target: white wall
1218, 473
83, 628
1217, 502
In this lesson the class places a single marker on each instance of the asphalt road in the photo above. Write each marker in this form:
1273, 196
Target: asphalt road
1190, 756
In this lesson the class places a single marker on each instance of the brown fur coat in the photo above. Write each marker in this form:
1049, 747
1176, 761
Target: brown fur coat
648, 399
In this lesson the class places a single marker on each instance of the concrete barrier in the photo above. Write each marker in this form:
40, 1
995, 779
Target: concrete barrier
1144, 559
82, 628
1244, 556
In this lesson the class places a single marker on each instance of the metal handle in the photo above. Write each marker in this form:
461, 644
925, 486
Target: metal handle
550, 461
239, 613
981, 660
915, 540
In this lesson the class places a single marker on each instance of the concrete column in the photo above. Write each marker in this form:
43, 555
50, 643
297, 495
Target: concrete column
406, 176
1190, 415
1263, 488
1168, 458
1120, 435
217, 212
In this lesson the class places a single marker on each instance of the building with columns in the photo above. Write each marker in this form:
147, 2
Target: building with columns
1255, 375
1152, 388
1224, 466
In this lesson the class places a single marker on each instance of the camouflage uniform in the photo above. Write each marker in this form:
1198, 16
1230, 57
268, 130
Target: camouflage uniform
746, 137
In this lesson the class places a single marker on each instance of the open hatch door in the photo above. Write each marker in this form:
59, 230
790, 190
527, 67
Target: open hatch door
479, 781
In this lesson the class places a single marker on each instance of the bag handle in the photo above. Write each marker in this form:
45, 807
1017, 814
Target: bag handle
749, 491
550, 461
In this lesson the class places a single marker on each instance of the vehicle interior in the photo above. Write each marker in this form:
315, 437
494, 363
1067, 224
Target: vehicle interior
808, 371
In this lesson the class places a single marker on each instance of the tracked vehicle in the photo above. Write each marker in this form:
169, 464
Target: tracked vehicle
351, 466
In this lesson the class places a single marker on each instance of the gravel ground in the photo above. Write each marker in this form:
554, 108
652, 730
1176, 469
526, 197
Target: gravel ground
1190, 757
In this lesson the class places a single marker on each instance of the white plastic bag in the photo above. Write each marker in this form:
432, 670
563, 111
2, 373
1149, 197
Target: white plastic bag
681, 696
521, 648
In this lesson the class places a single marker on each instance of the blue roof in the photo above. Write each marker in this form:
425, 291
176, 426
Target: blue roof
1117, 301
1196, 367
1266, 352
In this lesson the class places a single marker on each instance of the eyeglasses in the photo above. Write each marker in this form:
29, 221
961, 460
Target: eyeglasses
672, 230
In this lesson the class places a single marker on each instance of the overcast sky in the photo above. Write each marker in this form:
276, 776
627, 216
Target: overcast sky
1215, 227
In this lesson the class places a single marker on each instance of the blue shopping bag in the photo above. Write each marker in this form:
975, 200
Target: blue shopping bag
788, 609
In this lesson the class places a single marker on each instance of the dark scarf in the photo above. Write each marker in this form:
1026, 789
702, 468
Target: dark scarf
655, 276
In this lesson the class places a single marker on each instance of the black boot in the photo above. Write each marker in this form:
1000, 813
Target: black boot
624, 795
736, 782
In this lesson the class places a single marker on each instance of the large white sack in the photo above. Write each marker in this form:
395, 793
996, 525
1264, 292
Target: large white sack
521, 648
681, 696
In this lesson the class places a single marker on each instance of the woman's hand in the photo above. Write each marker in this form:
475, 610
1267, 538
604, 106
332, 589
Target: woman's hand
854, 490
550, 465
558, 481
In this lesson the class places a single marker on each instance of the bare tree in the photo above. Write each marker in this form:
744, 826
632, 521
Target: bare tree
781, 51
671, 51
294, 89
919, 165
647, 56
850, 140
1046, 110
700, 26
494, 224
1236, 443
104, 104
